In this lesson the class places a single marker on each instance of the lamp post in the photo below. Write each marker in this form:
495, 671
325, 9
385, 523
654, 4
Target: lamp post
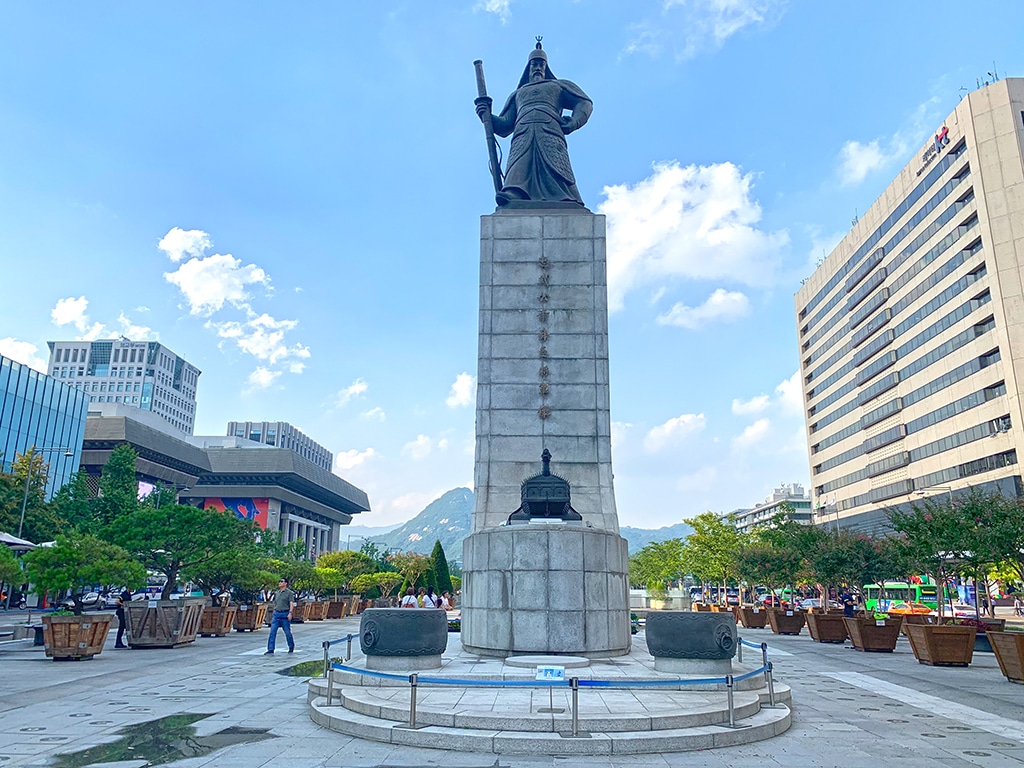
28, 477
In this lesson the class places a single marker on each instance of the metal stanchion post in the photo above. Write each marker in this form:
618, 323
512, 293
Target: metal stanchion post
327, 660
739, 649
732, 711
412, 701
348, 650
764, 658
574, 684
330, 688
771, 686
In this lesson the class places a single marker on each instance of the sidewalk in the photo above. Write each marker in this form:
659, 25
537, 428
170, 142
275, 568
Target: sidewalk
851, 709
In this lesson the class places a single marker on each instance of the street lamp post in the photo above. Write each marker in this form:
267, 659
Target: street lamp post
28, 477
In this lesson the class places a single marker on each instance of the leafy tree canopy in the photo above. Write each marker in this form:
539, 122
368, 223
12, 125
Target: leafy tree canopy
79, 563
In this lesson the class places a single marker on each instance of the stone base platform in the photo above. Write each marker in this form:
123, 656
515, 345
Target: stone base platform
612, 720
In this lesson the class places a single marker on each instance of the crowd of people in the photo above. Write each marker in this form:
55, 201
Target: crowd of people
427, 598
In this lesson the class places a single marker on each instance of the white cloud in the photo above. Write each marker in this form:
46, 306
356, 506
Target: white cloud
672, 431
179, 243
501, 8
261, 378
136, 332
442, 444
353, 458
462, 392
750, 407
858, 159
690, 27
209, 283
721, 306
72, 311
419, 448
701, 481
374, 414
790, 395
752, 435
696, 222
355, 389
263, 338
24, 352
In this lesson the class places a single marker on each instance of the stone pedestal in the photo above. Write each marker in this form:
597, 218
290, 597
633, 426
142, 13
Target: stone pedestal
545, 588
542, 373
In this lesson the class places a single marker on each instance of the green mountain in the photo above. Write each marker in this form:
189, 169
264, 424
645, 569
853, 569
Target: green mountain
448, 520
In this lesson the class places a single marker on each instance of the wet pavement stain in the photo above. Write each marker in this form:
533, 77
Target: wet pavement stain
161, 741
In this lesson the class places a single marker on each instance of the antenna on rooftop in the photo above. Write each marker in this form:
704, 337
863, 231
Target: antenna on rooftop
855, 219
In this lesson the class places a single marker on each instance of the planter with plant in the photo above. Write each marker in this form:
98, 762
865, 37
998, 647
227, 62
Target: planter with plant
941, 645
786, 621
1009, 650
78, 563
753, 616
178, 541
875, 633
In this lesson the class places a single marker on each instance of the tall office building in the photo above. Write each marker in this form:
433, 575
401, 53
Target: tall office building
41, 415
281, 434
142, 374
789, 498
911, 332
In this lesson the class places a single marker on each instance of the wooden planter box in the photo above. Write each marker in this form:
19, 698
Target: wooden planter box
826, 627
1009, 650
299, 612
316, 611
786, 622
353, 605
919, 619
250, 617
163, 623
75, 637
947, 645
753, 618
336, 609
217, 620
701, 607
874, 635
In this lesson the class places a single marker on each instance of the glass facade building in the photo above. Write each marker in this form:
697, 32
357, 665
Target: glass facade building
37, 410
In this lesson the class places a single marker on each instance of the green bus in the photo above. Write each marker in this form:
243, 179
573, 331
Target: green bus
925, 593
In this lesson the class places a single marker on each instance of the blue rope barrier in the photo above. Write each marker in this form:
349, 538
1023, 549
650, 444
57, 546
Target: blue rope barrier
495, 683
674, 683
371, 673
749, 675
344, 639
750, 645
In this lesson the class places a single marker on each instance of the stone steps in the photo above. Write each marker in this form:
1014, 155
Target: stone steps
667, 721
762, 724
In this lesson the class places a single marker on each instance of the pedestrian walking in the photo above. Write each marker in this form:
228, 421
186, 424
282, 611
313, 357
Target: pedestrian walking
283, 602
1018, 609
122, 602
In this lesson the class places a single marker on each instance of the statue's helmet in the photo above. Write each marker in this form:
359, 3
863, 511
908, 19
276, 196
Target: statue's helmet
536, 53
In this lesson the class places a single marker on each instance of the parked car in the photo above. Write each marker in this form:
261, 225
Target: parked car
815, 602
910, 608
90, 600
732, 597
772, 600
959, 610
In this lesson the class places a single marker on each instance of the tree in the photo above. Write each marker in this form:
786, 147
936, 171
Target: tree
773, 566
73, 503
119, 487
657, 565
41, 524
411, 565
10, 568
349, 564
710, 552
444, 578
176, 539
79, 564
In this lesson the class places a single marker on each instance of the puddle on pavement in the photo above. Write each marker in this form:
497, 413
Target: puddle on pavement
308, 668
161, 741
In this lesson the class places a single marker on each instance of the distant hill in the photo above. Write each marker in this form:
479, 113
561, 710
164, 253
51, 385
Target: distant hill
639, 538
448, 519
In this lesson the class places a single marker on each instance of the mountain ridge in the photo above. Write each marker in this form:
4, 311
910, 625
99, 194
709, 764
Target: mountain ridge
448, 519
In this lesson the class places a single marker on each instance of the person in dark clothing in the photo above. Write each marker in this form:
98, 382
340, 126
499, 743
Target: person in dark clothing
848, 605
122, 624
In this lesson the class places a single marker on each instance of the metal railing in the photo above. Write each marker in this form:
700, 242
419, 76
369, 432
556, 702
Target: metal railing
573, 683
347, 639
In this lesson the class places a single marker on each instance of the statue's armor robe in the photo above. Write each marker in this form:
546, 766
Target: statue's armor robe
538, 162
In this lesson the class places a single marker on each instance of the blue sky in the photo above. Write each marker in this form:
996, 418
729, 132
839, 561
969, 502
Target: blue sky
288, 195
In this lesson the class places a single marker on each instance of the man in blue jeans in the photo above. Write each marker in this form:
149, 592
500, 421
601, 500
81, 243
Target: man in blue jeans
282, 617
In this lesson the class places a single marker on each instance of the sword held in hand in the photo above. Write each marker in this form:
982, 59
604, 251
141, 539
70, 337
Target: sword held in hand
492, 147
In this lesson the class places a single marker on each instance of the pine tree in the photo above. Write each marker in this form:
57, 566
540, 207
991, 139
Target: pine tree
119, 488
442, 577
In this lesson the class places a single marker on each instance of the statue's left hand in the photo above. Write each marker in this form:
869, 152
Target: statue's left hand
567, 125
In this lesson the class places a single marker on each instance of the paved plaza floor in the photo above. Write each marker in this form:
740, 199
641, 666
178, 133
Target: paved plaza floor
221, 699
